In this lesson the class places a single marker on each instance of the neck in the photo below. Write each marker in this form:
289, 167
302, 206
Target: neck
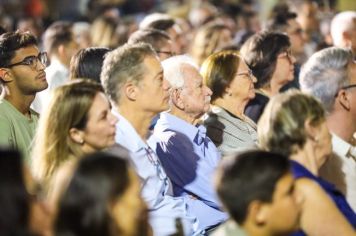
139, 119
306, 157
21, 102
345, 129
274, 87
267, 91
235, 106
190, 118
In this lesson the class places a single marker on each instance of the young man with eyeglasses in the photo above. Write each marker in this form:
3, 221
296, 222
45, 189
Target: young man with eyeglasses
330, 75
22, 75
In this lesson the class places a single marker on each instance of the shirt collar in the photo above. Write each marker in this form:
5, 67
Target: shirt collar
169, 121
126, 135
340, 147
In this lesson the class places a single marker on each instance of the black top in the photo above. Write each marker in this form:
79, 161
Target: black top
256, 106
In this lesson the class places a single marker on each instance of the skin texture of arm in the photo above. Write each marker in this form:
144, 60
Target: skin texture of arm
319, 215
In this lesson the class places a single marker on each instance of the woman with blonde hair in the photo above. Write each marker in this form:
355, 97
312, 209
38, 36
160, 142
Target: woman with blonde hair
232, 84
294, 124
209, 39
77, 121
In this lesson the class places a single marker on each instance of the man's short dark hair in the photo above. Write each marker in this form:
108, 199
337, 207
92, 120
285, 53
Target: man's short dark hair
157, 38
60, 32
87, 63
261, 52
11, 42
247, 177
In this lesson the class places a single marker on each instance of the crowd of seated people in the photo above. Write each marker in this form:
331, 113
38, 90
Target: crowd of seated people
195, 119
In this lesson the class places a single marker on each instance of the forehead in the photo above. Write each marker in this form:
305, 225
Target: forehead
152, 66
22, 53
191, 74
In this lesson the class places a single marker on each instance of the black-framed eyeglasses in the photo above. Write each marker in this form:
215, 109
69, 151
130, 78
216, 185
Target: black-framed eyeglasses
32, 61
346, 87
288, 54
171, 54
248, 74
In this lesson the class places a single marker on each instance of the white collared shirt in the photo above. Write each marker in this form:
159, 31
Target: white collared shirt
340, 169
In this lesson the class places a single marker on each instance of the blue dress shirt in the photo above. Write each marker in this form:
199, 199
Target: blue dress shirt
156, 189
300, 171
189, 158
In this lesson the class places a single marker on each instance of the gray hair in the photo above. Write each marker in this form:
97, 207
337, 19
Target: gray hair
122, 65
173, 72
325, 73
341, 23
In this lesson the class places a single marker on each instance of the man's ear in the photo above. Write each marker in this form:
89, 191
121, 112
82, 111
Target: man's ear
342, 99
176, 98
258, 212
347, 38
77, 135
5, 75
131, 91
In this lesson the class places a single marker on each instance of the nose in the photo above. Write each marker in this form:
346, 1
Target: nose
208, 91
254, 79
40, 65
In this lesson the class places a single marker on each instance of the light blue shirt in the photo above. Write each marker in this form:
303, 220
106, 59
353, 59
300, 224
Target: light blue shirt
189, 158
156, 189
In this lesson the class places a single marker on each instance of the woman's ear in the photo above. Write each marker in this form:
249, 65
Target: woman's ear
77, 135
310, 130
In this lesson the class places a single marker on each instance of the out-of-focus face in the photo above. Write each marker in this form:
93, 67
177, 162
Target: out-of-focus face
241, 87
308, 17
323, 147
153, 89
130, 205
195, 95
99, 132
295, 34
225, 38
285, 206
166, 50
284, 71
27, 79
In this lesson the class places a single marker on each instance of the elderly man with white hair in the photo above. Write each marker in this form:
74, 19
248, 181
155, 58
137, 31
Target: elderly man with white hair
330, 75
188, 156
343, 30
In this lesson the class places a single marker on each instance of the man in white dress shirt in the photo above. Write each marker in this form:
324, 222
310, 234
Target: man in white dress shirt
330, 75
132, 77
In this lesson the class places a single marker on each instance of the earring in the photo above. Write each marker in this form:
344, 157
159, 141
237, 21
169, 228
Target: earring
81, 142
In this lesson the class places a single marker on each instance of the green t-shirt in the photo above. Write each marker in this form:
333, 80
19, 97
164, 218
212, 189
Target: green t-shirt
17, 130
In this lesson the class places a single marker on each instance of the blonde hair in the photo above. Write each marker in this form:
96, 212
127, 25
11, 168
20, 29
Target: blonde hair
68, 108
206, 41
281, 127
